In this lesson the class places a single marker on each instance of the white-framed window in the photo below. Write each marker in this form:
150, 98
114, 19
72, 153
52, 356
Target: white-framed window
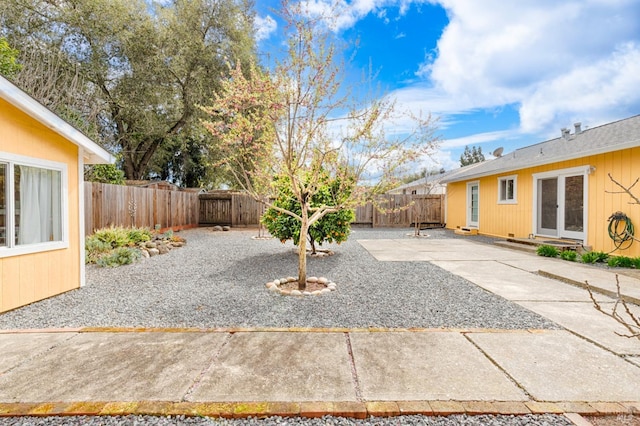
508, 189
33, 205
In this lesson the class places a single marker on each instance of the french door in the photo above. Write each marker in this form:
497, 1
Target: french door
473, 205
560, 204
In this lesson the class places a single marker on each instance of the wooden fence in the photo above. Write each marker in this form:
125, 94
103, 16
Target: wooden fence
401, 211
397, 210
234, 209
120, 205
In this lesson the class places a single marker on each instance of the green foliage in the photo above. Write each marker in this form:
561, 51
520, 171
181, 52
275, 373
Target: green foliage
138, 235
115, 236
115, 245
569, 255
8, 65
104, 173
333, 227
471, 156
94, 249
144, 67
622, 262
547, 251
119, 256
594, 257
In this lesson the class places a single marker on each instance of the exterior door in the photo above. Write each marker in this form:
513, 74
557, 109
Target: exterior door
560, 206
473, 204
548, 207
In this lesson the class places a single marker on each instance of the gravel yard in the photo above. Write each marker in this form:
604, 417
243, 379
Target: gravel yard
218, 280
546, 420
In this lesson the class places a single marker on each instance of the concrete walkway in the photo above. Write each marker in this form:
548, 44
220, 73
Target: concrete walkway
584, 368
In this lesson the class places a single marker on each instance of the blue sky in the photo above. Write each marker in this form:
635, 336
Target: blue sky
495, 73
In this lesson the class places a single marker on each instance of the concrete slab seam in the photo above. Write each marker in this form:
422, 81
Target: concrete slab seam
600, 345
39, 354
497, 365
354, 370
212, 360
584, 285
349, 409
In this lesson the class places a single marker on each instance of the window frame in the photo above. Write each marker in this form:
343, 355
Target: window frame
11, 249
505, 200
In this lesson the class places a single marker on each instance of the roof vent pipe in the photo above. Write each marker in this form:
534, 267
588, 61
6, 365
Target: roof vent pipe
565, 133
578, 127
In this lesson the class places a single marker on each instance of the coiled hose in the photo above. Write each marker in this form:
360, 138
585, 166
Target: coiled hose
621, 230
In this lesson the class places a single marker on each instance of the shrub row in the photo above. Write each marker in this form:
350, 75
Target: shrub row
117, 245
590, 257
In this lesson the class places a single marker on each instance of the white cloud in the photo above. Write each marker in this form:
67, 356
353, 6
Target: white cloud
265, 27
558, 60
479, 138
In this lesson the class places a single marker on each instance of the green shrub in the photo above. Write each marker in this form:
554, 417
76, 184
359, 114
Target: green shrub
332, 228
94, 249
620, 262
113, 246
594, 257
116, 236
636, 262
138, 235
547, 251
569, 255
119, 256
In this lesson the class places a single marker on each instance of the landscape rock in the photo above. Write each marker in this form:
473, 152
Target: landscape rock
226, 228
163, 248
153, 252
217, 228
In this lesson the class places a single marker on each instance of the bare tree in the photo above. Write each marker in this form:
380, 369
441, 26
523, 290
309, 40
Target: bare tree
298, 125
621, 311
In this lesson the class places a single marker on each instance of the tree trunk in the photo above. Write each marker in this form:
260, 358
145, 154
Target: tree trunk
302, 249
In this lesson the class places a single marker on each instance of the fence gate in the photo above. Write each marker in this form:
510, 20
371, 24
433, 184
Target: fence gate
215, 209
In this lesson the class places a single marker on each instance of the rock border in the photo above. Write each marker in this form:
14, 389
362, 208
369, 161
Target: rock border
274, 286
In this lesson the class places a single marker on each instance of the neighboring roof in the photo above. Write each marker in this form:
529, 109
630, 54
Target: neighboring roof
615, 136
93, 153
427, 180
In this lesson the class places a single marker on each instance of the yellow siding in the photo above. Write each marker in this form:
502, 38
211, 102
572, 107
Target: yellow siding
503, 220
31, 277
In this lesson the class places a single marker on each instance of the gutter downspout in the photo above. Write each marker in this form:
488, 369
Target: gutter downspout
81, 208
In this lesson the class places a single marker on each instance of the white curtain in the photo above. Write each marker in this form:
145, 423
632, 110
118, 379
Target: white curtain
40, 203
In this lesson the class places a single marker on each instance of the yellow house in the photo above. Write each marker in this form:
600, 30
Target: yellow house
41, 199
562, 188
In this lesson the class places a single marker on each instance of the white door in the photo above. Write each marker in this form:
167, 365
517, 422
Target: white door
473, 205
560, 206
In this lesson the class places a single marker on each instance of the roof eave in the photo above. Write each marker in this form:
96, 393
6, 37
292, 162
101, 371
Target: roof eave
92, 152
632, 144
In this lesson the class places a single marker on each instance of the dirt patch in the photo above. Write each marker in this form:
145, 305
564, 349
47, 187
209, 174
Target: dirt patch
311, 286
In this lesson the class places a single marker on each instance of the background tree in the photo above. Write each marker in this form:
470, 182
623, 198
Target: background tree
8, 65
143, 65
471, 156
300, 124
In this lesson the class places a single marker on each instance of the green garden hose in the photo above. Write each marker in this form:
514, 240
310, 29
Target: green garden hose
621, 230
